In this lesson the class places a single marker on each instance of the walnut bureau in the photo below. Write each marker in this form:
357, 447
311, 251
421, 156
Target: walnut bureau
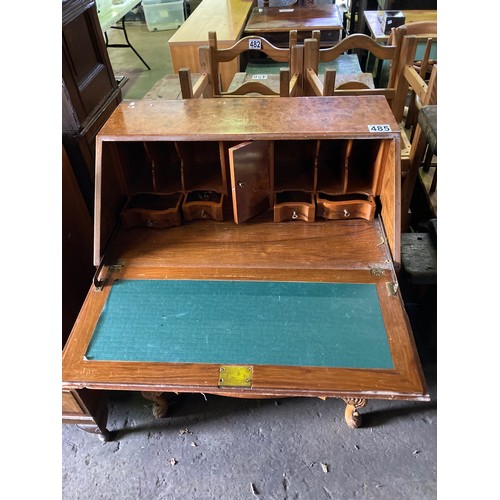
248, 248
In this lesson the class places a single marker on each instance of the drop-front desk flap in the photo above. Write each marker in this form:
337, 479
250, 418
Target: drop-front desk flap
247, 247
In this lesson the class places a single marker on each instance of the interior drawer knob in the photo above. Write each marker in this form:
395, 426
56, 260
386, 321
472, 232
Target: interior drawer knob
295, 215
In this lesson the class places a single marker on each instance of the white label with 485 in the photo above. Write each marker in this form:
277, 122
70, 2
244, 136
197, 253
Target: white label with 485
379, 128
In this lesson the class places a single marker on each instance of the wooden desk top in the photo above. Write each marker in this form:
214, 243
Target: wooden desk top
225, 17
247, 119
275, 19
412, 16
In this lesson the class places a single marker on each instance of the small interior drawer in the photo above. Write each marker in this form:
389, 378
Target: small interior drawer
152, 210
345, 206
294, 205
203, 205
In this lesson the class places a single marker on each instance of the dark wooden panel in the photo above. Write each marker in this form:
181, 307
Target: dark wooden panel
86, 67
249, 165
90, 91
77, 233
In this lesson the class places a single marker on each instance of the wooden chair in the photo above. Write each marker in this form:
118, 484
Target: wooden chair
425, 58
425, 136
209, 83
399, 54
199, 89
422, 30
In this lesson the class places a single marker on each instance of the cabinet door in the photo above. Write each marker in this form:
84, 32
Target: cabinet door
86, 67
249, 164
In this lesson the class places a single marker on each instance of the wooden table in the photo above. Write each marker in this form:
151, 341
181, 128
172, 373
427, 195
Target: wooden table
109, 16
372, 18
275, 23
108, 19
226, 17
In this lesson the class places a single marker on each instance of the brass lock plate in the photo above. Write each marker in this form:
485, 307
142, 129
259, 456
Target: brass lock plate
235, 376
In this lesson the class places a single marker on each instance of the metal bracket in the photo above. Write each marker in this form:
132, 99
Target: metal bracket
376, 271
235, 376
99, 283
392, 288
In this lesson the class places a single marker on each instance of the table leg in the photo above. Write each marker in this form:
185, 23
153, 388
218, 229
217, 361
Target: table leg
88, 410
102, 433
123, 45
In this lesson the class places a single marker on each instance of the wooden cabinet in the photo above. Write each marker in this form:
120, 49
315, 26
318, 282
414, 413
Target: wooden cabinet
90, 91
77, 232
286, 286
85, 408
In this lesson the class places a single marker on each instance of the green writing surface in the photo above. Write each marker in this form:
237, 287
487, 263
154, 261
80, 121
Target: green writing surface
242, 322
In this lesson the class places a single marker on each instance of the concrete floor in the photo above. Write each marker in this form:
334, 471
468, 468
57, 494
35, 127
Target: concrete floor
230, 449
236, 449
153, 48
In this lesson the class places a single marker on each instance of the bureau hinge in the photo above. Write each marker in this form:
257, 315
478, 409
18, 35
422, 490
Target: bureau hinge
99, 281
392, 287
376, 271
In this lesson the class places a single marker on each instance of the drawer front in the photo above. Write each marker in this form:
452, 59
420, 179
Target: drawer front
294, 211
152, 210
70, 404
193, 210
346, 209
149, 218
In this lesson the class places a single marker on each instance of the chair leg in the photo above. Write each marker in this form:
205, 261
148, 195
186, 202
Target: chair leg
432, 189
428, 159
417, 153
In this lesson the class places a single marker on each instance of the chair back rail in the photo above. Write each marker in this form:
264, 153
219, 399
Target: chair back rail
399, 54
211, 56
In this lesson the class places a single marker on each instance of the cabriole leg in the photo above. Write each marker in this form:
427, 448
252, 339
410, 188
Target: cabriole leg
102, 433
352, 416
160, 403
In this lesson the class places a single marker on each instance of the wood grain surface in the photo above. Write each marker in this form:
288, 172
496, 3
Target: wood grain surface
343, 251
